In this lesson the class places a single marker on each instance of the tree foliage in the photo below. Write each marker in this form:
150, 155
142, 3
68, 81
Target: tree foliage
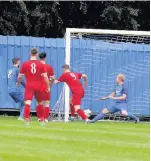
50, 19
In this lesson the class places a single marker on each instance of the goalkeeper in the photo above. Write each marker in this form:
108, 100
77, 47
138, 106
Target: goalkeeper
119, 95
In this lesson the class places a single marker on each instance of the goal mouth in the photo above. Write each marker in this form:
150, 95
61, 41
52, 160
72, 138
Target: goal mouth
102, 54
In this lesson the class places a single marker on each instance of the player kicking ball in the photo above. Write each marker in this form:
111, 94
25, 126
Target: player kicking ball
72, 79
14, 91
34, 72
119, 96
46, 94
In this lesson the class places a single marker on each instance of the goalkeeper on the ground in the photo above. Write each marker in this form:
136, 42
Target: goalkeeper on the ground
119, 98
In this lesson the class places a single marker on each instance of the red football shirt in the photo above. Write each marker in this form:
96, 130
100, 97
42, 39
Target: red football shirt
33, 70
72, 79
50, 72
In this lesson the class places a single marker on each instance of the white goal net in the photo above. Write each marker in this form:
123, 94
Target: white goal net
102, 54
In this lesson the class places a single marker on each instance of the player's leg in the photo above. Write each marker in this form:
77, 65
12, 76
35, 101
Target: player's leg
76, 101
28, 98
46, 110
21, 117
111, 109
38, 96
46, 99
39, 109
19, 98
80, 112
123, 109
72, 110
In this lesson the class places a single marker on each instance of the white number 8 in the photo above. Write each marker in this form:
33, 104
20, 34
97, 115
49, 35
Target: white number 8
33, 68
73, 75
10, 73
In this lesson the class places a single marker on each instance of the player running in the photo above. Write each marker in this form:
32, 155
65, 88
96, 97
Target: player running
73, 81
14, 91
120, 101
34, 72
46, 94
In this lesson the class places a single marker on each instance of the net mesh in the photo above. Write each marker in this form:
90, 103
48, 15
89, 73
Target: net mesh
102, 57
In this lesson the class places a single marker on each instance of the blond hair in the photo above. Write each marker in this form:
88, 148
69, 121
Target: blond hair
121, 76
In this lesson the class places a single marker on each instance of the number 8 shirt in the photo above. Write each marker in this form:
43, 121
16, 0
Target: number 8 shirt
73, 81
33, 71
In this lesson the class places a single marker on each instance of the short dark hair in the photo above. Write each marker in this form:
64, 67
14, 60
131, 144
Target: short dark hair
15, 60
34, 51
42, 55
66, 66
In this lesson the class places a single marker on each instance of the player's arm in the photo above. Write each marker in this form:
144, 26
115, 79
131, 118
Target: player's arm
110, 96
60, 79
19, 79
45, 76
56, 81
51, 80
23, 83
46, 79
20, 75
22, 80
85, 77
52, 77
123, 97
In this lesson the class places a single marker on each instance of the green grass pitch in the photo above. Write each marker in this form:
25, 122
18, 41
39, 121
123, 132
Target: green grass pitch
103, 141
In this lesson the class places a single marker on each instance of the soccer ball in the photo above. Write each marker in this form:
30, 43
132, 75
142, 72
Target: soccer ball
87, 112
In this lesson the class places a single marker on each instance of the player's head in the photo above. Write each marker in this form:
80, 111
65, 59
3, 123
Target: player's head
16, 61
120, 78
34, 52
66, 68
42, 56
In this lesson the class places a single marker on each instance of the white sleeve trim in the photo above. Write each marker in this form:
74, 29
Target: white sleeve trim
50, 78
43, 74
21, 74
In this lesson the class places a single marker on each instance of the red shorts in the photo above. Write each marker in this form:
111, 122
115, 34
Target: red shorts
77, 97
45, 95
29, 93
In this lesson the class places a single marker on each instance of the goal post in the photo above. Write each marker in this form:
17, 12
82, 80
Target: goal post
67, 61
121, 35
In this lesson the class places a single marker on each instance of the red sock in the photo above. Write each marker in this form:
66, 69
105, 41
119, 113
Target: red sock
81, 114
27, 112
72, 110
38, 111
46, 112
41, 112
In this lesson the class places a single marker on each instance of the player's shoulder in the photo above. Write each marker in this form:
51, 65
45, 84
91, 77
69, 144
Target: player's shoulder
125, 86
48, 66
26, 62
76, 73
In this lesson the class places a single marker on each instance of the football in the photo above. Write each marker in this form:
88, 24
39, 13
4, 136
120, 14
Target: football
87, 112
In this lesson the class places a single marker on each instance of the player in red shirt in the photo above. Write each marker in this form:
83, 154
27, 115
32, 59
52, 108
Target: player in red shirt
46, 94
34, 72
73, 81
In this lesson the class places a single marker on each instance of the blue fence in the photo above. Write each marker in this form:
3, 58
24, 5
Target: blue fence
101, 61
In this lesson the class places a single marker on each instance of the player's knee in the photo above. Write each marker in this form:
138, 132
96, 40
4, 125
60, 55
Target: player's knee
39, 102
124, 113
77, 107
70, 101
47, 103
105, 111
28, 102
